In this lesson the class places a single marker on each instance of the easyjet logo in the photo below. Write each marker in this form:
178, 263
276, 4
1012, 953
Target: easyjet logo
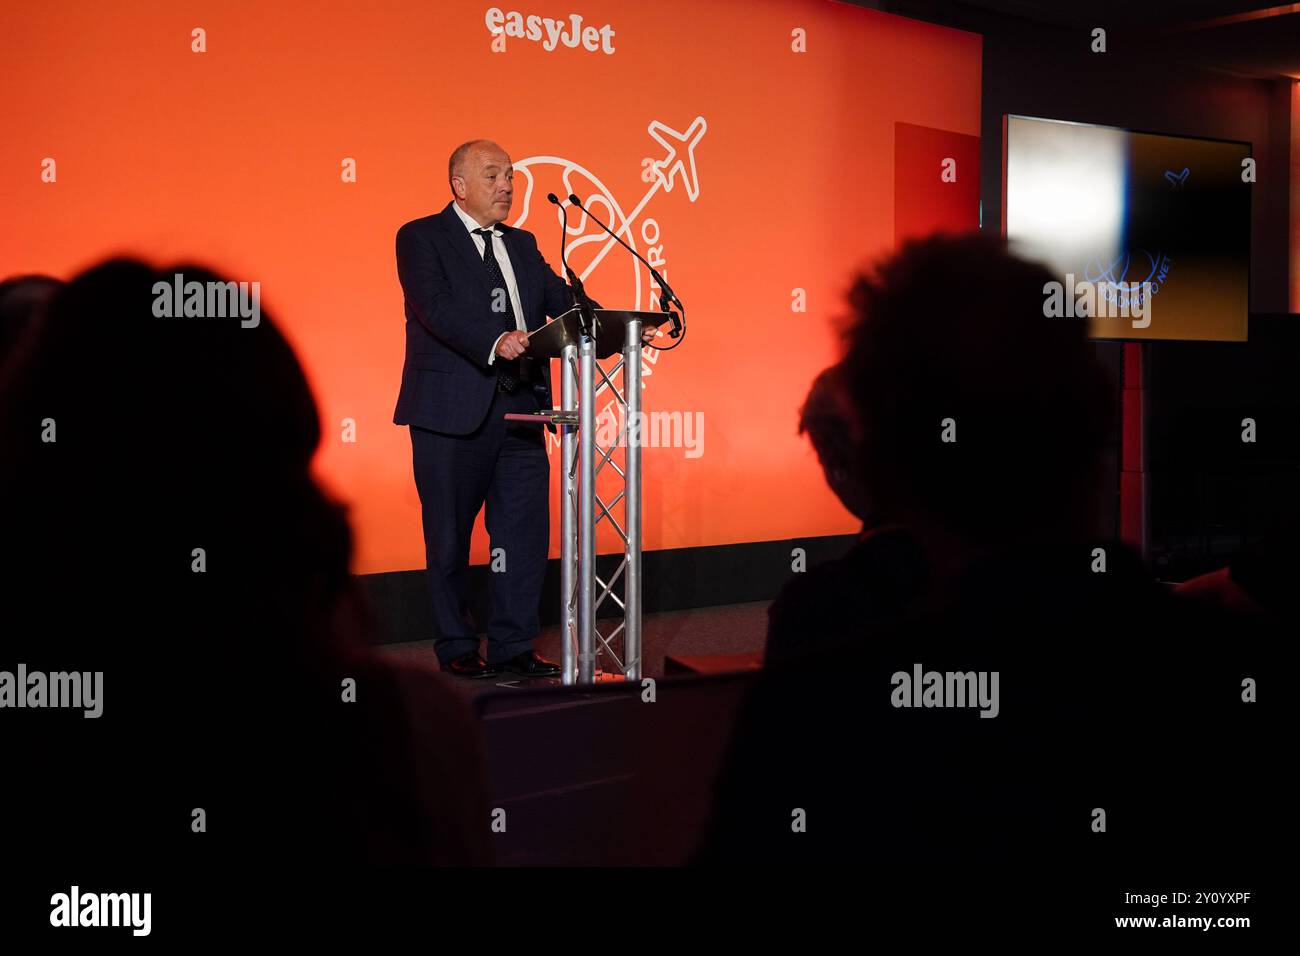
549, 31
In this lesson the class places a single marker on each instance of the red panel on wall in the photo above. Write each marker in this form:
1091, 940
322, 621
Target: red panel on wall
936, 181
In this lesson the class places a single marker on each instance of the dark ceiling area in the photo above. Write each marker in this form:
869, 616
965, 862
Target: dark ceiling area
1244, 37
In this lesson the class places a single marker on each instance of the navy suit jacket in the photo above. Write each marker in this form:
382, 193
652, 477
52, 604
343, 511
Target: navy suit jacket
447, 383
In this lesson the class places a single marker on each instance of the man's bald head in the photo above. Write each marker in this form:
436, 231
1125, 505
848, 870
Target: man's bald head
461, 154
481, 180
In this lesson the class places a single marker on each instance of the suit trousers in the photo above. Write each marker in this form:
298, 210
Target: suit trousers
501, 466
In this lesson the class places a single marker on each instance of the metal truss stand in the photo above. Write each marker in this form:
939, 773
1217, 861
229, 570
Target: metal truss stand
582, 589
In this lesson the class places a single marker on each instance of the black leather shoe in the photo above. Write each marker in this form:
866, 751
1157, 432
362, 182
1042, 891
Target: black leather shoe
470, 665
530, 664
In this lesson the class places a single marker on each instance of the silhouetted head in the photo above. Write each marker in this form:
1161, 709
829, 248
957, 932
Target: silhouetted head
22, 302
980, 415
133, 437
832, 425
163, 529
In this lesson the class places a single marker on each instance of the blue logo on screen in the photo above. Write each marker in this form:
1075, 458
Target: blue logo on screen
1121, 282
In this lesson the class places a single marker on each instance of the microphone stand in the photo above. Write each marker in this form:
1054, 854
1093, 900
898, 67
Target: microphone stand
586, 319
666, 293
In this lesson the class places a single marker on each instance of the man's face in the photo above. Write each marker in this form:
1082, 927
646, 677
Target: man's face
486, 185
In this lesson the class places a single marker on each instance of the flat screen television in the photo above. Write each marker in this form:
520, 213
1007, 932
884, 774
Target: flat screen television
1158, 226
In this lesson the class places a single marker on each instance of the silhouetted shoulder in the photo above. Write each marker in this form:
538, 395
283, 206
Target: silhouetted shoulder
880, 579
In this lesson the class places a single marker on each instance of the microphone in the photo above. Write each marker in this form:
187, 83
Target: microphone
564, 232
667, 293
575, 284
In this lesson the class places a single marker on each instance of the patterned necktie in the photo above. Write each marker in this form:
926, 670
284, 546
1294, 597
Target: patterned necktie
508, 371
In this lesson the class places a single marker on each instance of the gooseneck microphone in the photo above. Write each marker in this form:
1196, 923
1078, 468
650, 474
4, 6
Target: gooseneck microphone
667, 295
575, 284
564, 231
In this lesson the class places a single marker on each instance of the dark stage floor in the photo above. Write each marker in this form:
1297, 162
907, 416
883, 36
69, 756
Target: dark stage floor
732, 629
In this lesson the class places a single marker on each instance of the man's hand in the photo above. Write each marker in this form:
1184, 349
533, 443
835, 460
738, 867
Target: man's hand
512, 345
648, 335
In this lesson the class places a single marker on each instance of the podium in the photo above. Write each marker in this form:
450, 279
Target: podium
582, 590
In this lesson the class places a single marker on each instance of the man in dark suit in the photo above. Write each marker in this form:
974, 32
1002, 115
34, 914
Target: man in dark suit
473, 286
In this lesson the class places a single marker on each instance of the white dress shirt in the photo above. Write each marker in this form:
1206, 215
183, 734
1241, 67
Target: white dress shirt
507, 271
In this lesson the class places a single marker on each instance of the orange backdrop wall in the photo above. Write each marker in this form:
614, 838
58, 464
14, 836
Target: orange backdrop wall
750, 144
